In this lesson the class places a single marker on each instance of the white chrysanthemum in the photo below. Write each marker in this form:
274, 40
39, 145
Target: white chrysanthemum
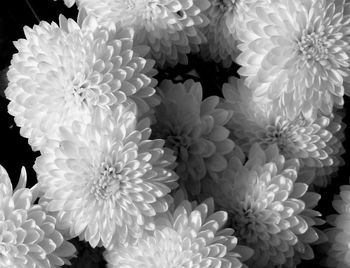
315, 142
338, 249
107, 180
194, 129
61, 72
28, 236
188, 237
296, 53
172, 28
270, 211
221, 30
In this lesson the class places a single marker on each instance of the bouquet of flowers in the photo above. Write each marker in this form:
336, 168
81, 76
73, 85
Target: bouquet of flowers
180, 133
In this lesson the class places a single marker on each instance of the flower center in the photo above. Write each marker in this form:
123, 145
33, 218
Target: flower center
81, 92
274, 134
280, 133
224, 5
313, 46
84, 93
179, 144
107, 182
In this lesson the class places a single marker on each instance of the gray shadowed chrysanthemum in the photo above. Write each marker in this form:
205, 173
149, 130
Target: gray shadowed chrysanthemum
269, 211
194, 129
337, 248
221, 33
317, 143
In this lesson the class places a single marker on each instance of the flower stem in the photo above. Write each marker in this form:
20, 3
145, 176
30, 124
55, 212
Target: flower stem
33, 11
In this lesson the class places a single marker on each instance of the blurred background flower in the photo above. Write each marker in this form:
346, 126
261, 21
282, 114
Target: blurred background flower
194, 129
337, 248
221, 32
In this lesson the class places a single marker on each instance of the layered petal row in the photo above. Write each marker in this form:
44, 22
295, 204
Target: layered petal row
105, 181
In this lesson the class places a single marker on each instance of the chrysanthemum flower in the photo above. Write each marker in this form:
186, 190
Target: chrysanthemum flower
172, 28
107, 180
28, 236
269, 210
315, 142
61, 72
221, 30
188, 237
338, 249
296, 54
194, 129
222, 42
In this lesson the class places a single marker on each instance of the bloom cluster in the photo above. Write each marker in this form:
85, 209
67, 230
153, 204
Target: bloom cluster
153, 170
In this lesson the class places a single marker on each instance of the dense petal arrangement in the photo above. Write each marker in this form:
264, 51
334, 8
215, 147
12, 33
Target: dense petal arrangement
28, 236
189, 237
121, 162
337, 249
270, 211
61, 72
317, 142
194, 129
172, 28
106, 180
296, 54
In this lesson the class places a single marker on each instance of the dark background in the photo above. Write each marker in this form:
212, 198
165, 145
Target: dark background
15, 151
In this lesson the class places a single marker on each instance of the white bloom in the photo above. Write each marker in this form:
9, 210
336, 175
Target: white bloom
107, 180
61, 72
194, 129
270, 211
172, 28
315, 142
338, 249
188, 237
296, 53
28, 236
